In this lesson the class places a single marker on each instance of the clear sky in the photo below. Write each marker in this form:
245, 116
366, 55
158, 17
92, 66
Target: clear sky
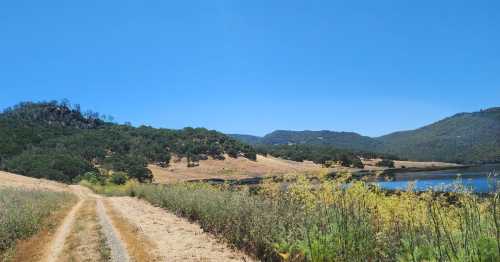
255, 66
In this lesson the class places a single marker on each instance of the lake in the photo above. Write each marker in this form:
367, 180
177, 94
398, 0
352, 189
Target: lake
479, 179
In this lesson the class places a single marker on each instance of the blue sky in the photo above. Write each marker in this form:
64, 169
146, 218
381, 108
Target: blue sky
255, 66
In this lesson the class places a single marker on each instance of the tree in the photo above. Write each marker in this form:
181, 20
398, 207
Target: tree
163, 159
386, 163
232, 152
119, 178
142, 174
252, 155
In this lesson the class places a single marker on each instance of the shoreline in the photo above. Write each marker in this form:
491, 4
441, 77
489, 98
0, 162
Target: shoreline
391, 172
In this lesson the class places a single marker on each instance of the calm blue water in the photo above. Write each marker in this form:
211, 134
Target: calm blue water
482, 179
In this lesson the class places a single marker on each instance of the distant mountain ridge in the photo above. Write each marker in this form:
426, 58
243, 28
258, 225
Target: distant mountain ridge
343, 140
248, 139
462, 138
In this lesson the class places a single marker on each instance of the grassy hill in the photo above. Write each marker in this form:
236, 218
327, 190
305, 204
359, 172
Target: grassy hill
57, 141
462, 138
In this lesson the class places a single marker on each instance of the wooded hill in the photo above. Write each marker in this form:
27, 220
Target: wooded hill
462, 138
55, 140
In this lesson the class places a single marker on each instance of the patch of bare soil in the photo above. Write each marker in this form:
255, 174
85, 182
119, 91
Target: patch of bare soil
173, 238
230, 168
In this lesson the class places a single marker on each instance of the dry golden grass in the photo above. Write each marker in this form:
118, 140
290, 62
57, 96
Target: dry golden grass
240, 168
23, 182
35, 248
230, 168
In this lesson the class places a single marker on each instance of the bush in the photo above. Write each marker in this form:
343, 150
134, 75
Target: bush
93, 177
386, 163
135, 167
119, 178
110, 189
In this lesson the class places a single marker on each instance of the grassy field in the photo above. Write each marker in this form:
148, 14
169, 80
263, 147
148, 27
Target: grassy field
23, 213
326, 221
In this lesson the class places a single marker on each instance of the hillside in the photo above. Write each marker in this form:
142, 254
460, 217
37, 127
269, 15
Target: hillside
57, 141
248, 139
231, 168
341, 140
462, 138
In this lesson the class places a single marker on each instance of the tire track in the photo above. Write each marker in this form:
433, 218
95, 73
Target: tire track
62, 233
118, 251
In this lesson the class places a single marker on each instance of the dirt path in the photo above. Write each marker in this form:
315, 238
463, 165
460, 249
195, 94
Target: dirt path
133, 230
172, 238
92, 222
62, 233
86, 241
121, 229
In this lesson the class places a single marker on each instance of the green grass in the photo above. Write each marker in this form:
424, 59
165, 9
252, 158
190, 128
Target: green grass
110, 189
24, 212
327, 222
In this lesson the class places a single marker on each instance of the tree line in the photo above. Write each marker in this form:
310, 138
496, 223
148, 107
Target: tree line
325, 155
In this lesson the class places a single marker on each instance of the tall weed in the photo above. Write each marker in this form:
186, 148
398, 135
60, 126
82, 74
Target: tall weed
24, 212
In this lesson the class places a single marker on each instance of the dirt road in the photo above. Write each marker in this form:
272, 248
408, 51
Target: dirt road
93, 222
172, 238
122, 229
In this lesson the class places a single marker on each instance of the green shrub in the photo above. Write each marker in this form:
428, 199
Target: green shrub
119, 178
386, 163
92, 177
